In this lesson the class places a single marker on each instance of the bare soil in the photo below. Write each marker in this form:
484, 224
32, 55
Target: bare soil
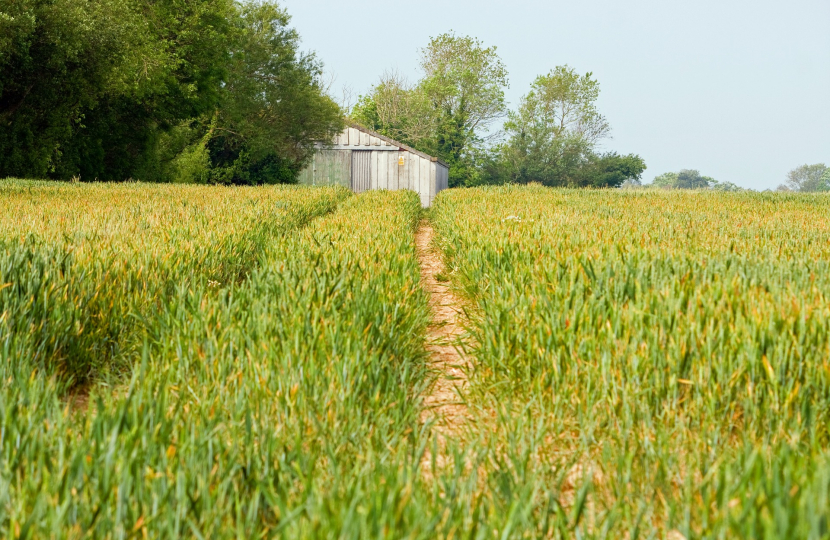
78, 400
443, 404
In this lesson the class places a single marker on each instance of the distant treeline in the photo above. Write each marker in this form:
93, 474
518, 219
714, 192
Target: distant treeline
804, 179
808, 179
157, 90
217, 91
458, 112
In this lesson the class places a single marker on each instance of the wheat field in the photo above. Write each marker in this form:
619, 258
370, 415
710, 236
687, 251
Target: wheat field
216, 362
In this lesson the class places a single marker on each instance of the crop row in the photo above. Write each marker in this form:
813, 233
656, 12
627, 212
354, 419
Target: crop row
669, 350
645, 364
263, 406
83, 268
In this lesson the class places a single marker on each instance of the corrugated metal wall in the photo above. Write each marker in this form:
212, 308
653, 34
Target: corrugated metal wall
361, 170
328, 168
362, 161
442, 179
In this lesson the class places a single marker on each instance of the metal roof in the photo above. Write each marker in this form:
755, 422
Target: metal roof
393, 142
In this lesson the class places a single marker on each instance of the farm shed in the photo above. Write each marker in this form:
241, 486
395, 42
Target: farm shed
361, 159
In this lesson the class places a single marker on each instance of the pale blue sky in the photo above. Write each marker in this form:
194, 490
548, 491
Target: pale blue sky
738, 89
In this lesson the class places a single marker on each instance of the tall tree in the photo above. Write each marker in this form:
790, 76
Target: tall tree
690, 179
450, 110
666, 180
465, 83
563, 104
809, 178
193, 90
183, 71
58, 59
273, 107
552, 137
400, 110
609, 170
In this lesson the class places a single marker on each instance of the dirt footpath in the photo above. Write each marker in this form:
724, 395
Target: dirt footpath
443, 404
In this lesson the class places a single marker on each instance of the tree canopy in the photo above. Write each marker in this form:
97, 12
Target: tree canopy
448, 112
685, 179
58, 60
562, 104
188, 90
553, 136
808, 179
451, 112
692, 179
219, 91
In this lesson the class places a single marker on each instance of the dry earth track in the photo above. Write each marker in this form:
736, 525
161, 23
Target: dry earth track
443, 403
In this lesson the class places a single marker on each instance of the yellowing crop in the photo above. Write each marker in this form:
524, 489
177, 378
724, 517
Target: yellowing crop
210, 362
674, 344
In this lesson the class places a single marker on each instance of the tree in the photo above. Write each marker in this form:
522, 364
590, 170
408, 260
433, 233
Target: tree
631, 183
273, 107
553, 135
87, 87
666, 180
184, 66
692, 179
465, 83
685, 179
609, 170
531, 156
58, 58
563, 104
188, 90
809, 178
399, 110
726, 186
448, 112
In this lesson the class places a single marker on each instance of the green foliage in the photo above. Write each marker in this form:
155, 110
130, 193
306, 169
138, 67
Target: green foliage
58, 59
533, 157
665, 180
809, 178
560, 104
552, 138
637, 336
464, 81
609, 170
400, 111
449, 110
724, 186
98, 92
273, 108
192, 165
690, 179
178, 81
